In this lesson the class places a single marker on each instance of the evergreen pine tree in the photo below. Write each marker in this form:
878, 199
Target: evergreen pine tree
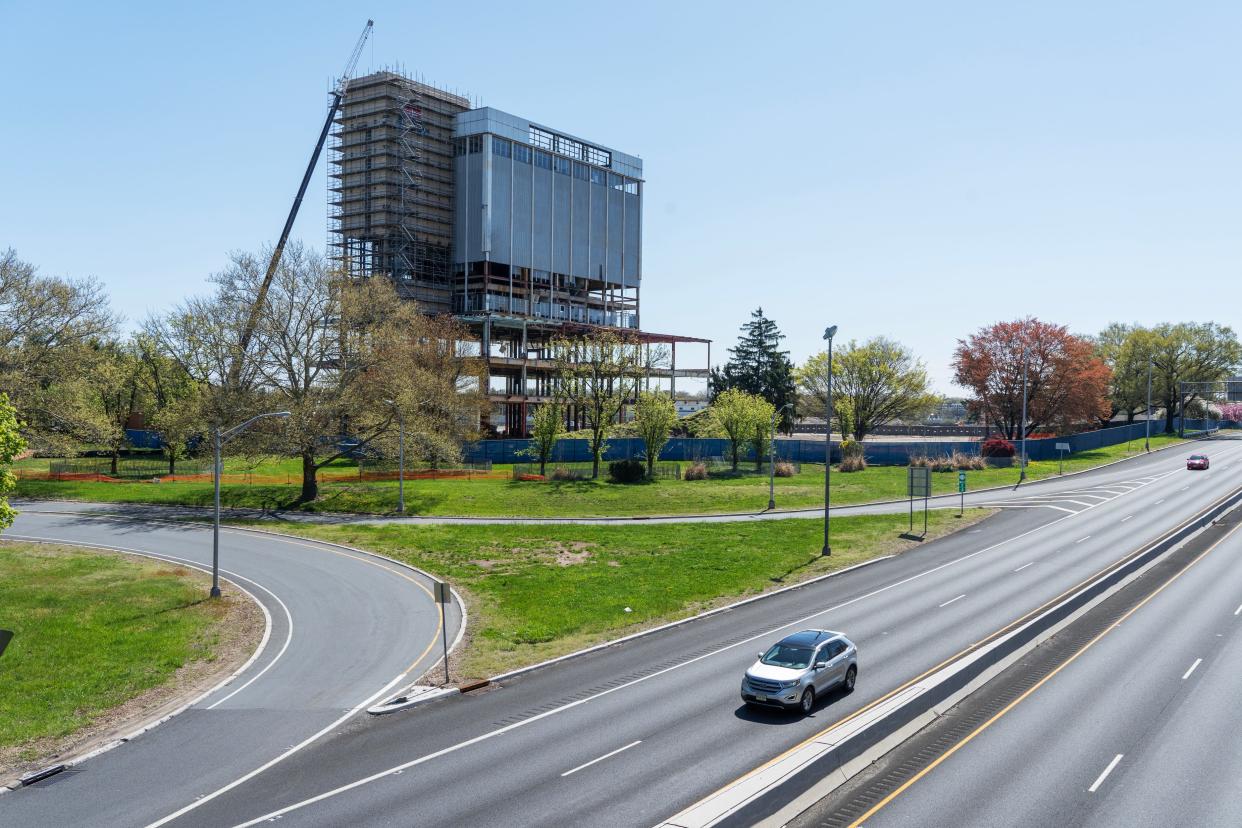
757, 365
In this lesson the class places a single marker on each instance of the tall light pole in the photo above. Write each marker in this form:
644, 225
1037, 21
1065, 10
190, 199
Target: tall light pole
1147, 435
217, 468
400, 457
829, 333
1022, 473
772, 459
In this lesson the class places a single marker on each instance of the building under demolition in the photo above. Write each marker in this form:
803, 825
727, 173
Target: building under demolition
525, 233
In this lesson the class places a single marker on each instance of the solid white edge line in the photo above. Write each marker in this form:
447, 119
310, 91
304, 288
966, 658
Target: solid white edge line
1024, 566
1193, 667
1100, 779
951, 600
602, 758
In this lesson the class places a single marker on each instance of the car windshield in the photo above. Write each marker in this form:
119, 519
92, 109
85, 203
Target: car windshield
786, 655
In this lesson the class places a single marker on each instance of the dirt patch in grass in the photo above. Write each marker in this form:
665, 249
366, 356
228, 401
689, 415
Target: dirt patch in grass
213, 639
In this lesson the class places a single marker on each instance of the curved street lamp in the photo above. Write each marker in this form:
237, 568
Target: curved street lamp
829, 333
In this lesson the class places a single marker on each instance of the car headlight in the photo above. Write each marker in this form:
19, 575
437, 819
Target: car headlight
787, 684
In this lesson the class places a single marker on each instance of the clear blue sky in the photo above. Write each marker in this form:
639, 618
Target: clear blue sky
909, 169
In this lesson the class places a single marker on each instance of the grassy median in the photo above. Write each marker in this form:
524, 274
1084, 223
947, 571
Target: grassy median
536, 592
94, 632
499, 496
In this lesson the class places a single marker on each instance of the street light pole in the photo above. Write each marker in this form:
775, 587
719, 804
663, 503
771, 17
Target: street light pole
829, 333
219, 440
1022, 473
215, 528
772, 458
400, 458
1147, 435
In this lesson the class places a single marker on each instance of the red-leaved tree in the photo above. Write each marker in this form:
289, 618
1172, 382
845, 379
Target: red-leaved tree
1066, 382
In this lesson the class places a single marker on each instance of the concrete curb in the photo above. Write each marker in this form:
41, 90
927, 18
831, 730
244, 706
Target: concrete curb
413, 697
779, 790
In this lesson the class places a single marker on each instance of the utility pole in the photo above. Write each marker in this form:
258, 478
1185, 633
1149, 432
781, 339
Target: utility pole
1147, 438
829, 333
772, 458
1022, 473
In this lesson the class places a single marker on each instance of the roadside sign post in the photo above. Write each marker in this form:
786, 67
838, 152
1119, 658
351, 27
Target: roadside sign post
918, 485
1062, 450
444, 596
961, 490
5, 637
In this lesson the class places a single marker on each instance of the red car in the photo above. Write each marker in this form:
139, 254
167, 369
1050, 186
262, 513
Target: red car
1197, 461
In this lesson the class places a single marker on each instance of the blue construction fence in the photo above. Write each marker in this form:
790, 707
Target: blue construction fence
687, 449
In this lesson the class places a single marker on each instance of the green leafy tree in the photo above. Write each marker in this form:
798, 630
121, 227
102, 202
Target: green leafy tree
174, 401
548, 426
876, 382
761, 430
51, 330
737, 413
116, 394
598, 375
654, 418
758, 366
11, 445
1125, 355
1185, 352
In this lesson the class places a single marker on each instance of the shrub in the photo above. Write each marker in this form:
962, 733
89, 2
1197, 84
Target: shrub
919, 461
784, 470
627, 471
851, 448
996, 446
696, 471
852, 463
565, 473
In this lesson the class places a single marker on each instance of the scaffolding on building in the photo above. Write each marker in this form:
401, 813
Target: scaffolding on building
390, 182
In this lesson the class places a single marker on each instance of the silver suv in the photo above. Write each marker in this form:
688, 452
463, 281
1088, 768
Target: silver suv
799, 667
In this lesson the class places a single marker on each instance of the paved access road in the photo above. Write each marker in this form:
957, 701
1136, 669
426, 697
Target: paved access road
1139, 730
344, 628
632, 734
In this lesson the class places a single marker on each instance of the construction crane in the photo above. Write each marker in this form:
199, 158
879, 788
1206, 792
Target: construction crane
252, 320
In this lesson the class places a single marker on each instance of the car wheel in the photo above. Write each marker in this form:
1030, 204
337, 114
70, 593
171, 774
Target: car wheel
807, 702
851, 675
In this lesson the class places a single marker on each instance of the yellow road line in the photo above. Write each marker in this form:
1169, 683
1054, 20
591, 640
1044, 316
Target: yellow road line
966, 740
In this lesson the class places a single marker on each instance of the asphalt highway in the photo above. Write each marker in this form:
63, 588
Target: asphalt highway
1139, 730
631, 734
344, 628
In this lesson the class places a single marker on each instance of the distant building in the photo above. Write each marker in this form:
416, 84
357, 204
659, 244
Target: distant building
525, 233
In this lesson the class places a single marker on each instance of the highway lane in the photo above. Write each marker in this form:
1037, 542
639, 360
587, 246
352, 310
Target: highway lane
344, 626
661, 714
1139, 730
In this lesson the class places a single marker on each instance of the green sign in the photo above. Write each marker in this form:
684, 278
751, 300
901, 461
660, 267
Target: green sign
961, 481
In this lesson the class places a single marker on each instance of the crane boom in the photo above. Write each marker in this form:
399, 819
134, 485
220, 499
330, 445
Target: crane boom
252, 319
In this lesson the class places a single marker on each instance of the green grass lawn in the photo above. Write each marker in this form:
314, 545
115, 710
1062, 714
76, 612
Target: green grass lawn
91, 631
536, 592
496, 497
